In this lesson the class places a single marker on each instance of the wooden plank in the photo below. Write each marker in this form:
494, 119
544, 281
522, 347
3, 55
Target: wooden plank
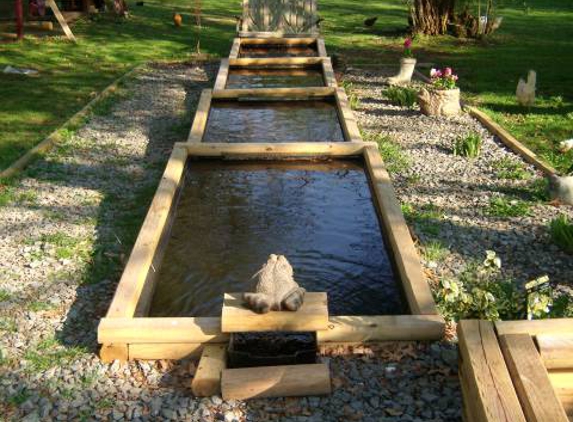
306, 41
468, 411
328, 74
365, 329
312, 316
235, 49
207, 379
222, 75
554, 326
490, 389
562, 382
321, 48
556, 351
275, 61
246, 35
61, 20
310, 92
133, 279
347, 119
161, 330
511, 142
537, 396
201, 117
116, 351
169, 351
297, 149
416, 288
276, 381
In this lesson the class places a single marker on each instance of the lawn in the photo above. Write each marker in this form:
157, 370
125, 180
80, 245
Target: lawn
534, 35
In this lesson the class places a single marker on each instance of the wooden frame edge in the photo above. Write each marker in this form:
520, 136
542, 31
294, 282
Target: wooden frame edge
347, 120
553, 326
235, 49
201, 115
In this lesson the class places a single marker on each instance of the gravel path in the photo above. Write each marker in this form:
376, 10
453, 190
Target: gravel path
458, 191
75, 213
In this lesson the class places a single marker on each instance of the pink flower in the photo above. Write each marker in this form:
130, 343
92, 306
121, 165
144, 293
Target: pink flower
434, 73
408, 42
455, 77
448, 71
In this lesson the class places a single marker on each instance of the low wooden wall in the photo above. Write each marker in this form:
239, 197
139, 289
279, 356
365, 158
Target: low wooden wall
227, 65
517, 371
126, 333
313, 42
345, 115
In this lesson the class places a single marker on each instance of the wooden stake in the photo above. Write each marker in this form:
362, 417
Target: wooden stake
52, 4
19, 18
207, 379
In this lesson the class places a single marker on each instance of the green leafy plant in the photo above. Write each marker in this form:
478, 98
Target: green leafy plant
468, 146
400, 96
435, 251
511, 170
561, 230
392, 153
443, 78
502, 206
408, 48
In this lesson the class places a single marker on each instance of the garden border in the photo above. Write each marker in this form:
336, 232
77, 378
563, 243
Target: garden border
325, 64
308, 41
127, 334
345, 115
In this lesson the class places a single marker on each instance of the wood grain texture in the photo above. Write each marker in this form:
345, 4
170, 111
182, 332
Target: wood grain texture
207, 379
406, 257
116, 351
169, 351
536, 394
298, 41
201, 116
61, 20
235, 49
275, 61
365, 329
222, 75
282, 93
312, 316
161, 330
276, 381
294, 149
554, 326
134, 276
490, 390
556, 350
347, 118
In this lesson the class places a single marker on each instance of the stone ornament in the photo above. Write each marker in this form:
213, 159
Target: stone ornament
276, 289
561, 189
440, 102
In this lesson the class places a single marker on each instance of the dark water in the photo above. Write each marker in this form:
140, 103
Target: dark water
232, 215
277, 51
274, 78
273, 121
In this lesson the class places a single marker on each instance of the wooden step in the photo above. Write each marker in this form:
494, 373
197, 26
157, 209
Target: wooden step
207, 379
312, 316
276, 381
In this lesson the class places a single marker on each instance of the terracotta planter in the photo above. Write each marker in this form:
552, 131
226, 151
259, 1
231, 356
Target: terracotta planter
439, 102
407, 66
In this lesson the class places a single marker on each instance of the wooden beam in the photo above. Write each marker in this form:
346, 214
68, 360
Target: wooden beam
201, 117
347, 119
275, 61
114, 351
537, 396
276, 381
490, 390
170, 351
312, 316
19, 12
297, 149
416, 288
235, 49
61, 20
365, 329
207, 379
161, 330
277, 37
281, 93
553, 326
511, 142
222, 75
328, 74
556, 351
132, 282
321, 48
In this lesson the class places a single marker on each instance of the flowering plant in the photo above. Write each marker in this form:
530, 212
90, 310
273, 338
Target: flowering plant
443, 78
408, 48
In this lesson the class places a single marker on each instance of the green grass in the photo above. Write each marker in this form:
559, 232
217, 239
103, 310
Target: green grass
538, 35
468, 146
502, 206
510, 169
392, 153
435, 251
402, 96
49, 353
561, 229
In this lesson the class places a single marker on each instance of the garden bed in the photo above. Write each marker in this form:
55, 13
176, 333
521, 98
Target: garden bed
277, 47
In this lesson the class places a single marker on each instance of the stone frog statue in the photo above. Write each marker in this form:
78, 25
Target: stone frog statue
275, 288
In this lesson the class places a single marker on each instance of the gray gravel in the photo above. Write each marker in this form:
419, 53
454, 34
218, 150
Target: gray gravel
49, 369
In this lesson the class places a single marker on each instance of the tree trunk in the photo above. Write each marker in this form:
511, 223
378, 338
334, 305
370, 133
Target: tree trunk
431, 17
19, 11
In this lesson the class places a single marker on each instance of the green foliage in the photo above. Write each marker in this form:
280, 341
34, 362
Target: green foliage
501, 206
5, 295
435, 251
468, 146
561, 230
353, 99
49, 353
481, 292
402, 96
68, 246
392, 153
510, 169
424, 218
